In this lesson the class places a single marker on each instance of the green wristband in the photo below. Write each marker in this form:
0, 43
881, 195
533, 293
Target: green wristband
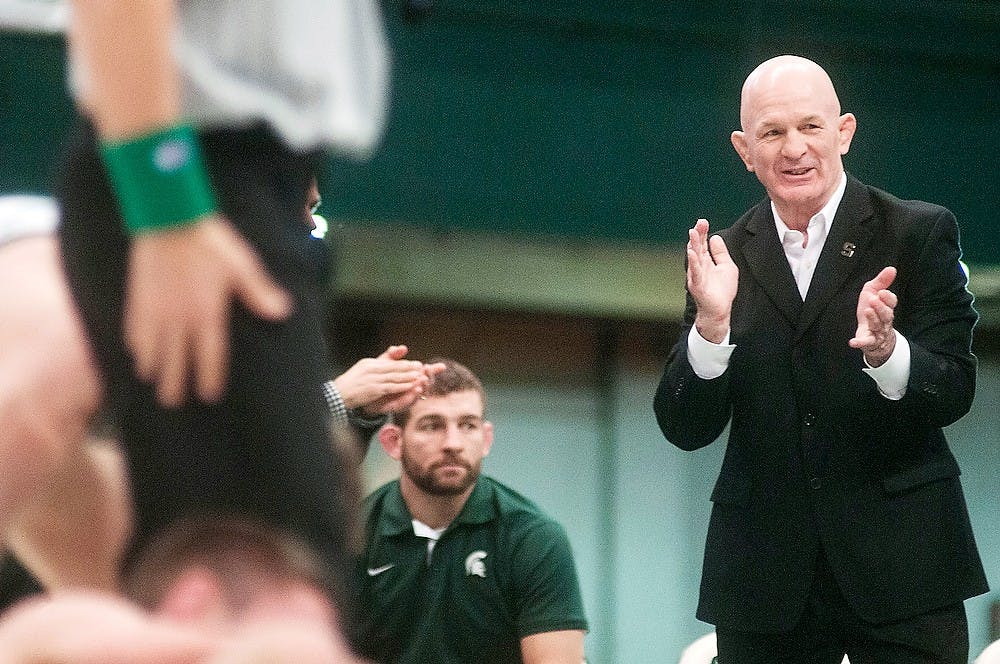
159, 179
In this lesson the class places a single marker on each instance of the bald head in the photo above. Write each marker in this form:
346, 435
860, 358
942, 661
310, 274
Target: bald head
787, 72
793, 135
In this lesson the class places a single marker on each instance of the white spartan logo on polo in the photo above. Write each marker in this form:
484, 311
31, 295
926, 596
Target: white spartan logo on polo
474, 565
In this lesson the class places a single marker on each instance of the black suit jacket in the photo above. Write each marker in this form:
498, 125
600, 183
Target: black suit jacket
817, 458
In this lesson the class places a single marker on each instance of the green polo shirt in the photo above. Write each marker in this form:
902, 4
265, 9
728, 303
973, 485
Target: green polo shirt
501, 571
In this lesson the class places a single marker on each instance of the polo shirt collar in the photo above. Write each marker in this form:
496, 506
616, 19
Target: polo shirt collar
396, 518
480, 507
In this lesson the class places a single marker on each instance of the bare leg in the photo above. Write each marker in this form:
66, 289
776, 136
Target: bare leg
49, 390
90, 492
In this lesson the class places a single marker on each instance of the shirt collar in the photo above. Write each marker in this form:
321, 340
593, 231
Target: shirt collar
826, 213
480, 507
421, 529
396, 518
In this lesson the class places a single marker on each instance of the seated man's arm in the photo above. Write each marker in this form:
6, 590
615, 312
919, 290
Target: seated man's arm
551, 618
562, 647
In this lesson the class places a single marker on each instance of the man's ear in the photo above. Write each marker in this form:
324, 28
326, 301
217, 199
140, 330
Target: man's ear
487, 437
391, 437
739, 140
847, 126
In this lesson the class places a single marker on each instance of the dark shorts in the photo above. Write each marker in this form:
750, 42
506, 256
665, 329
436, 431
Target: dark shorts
263, 450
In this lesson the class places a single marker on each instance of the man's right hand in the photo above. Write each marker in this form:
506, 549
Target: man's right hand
181, 285
712, 280
382, 384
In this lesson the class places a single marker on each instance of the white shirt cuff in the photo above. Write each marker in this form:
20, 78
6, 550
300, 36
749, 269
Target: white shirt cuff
708, 360
24, 215
891, 377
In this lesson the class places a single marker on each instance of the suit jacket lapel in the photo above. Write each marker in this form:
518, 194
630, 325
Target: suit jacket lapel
766, 260
841, 256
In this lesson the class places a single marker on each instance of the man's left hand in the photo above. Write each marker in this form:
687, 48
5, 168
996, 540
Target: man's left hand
875, 336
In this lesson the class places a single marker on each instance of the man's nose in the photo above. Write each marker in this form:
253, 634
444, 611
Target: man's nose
794, 145
452, 438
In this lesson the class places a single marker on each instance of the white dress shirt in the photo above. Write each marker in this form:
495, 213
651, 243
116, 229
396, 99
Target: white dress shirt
710, 360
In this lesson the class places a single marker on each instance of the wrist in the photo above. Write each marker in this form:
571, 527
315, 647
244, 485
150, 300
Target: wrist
159, 179
367, 420
876, 359
879, 355
712, 329
334, 401
346, 395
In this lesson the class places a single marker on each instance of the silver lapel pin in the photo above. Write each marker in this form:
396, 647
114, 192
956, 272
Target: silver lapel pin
847, 250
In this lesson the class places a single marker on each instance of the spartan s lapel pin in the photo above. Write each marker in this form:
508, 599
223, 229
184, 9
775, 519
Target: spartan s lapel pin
847, 250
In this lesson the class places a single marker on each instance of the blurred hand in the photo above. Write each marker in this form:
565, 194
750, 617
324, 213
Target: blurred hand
85, 628
181, 285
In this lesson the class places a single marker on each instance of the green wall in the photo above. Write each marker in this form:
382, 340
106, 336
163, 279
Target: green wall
35, 111
611, 120
571, 119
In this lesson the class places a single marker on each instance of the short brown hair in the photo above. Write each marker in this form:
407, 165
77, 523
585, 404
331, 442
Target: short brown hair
454, 378
239, 551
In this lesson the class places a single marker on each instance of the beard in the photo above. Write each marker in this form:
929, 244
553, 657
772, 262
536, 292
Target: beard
429, 481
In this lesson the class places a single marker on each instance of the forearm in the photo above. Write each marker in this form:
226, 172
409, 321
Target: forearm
343, 416
131, 82
560, 647
892, 375
72, 535
708, 359
937, 318
692, 411
941, 386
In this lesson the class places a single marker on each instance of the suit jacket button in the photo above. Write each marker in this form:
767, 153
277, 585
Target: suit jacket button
816, 483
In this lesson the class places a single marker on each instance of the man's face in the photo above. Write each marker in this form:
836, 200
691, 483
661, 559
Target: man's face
444, 441
793, 138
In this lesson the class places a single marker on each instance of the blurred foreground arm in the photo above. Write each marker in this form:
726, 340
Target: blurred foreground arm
183, 272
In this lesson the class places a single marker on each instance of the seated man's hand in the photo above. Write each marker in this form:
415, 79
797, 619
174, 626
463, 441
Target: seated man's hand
378, 385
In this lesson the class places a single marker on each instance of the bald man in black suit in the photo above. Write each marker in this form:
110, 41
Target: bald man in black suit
831, 328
